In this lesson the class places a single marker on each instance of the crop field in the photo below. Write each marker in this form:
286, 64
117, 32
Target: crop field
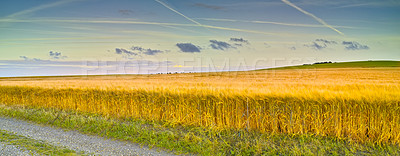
354, 103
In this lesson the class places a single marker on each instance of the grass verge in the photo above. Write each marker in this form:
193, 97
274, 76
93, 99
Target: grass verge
195, 140
34, 146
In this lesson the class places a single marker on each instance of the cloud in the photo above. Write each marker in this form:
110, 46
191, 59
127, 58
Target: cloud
239, 40
317, 46
352, 45
188, 47
213, 7
326, 41
125, 12
123, 51
29, 59
136, 51
220, 45
312, 15
24, 57
152, 52
146, 51
320, 44
56, 55
53, 55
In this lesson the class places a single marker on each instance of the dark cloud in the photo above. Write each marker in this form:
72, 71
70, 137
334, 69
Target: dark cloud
352, 45
316, 45
118, 51
320, 44
220, 45
152, 52
202, 5
238, 44
29, 59
136, 51
188, 47
125, 12
239, 40
122, 51
326, 41
56, 55
24, 57
146, 51
136, 48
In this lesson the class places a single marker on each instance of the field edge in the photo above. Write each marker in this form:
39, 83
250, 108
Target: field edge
193, 140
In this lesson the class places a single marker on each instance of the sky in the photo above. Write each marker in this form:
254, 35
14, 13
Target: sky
89, 37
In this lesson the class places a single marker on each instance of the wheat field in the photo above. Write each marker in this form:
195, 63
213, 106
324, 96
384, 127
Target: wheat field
360, 104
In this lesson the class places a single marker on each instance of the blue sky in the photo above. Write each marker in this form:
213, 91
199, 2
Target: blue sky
74, 37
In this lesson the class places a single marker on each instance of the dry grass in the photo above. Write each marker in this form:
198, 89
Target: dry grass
361, 104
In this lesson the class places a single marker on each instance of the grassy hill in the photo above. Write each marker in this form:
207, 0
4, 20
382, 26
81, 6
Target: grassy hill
358, 64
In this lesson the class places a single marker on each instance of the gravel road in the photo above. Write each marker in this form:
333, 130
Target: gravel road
72, 140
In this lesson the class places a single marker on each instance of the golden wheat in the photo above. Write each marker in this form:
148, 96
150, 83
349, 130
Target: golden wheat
352, 103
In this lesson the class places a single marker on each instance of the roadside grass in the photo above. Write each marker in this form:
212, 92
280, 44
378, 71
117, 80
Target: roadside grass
193, 139
34, 146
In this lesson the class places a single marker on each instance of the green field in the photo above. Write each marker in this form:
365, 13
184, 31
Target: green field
358, 64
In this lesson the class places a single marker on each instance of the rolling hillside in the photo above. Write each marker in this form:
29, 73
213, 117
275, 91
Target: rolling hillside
358, 64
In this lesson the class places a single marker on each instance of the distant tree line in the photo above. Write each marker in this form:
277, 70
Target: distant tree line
326, 62
322, 62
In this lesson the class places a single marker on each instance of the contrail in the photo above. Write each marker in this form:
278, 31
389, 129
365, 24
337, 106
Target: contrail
270, 22
311, 15
135, 22
181, 29
239, 30
357, 5
41, 7
92, 21
60, 38
44, 31
165, 5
